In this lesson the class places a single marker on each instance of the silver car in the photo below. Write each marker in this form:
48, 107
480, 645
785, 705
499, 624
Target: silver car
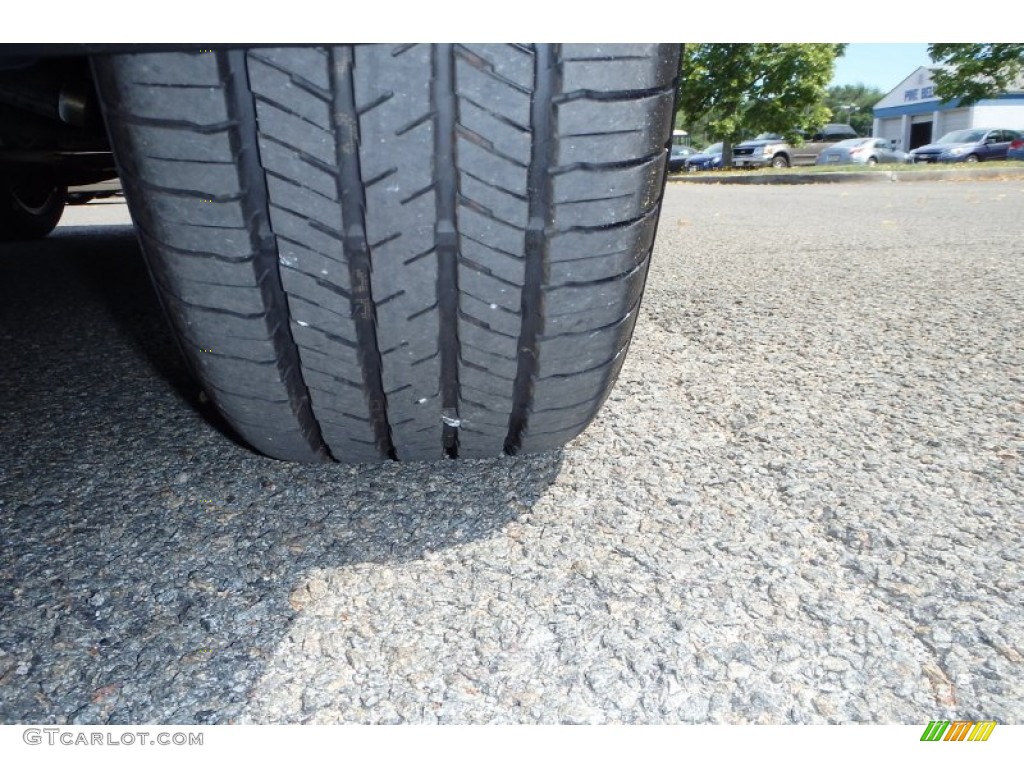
863, 151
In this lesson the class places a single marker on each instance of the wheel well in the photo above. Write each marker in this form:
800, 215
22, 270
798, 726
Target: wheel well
50, 121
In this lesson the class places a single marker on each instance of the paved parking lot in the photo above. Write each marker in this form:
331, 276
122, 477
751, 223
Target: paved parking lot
802, 503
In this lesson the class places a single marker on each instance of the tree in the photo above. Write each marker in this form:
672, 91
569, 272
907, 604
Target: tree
738, 88
854, 104
974, 71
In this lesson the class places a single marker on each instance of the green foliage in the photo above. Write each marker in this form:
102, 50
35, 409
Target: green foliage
862, 99
975, 71
699, 135
739, 89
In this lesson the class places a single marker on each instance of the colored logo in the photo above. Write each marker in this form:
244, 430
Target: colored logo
958, 730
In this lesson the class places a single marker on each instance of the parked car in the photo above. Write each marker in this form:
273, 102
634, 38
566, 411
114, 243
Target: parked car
1016, 150
863, 151
763, 150
771, 149
707, 160
970, 145
677, 158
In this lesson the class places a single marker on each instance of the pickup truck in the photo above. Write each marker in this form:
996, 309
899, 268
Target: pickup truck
771, 149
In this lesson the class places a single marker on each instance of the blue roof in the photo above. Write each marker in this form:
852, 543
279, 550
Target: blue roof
925, 107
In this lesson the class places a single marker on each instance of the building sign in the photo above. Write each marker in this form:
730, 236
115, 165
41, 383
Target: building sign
918, 87
919, 94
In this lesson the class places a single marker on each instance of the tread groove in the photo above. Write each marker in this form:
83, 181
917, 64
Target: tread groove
310, 160
330, 287
372, 105
332, 336
308, 247
539, 218
491, 247
446, 236
490, 352
380, 177
298, 80
413, 124
188, 160
609, 166
423, 254
496, 115
602, 366
631, 95
602, 280
180, 125
487, 146
421, 312
609, 225
145, 234
518, 196
418, 193
262, 99
256, 210
304, 187
204, 308
481, 64
591, 331
344, 117
484, 211
481, 324
481, 269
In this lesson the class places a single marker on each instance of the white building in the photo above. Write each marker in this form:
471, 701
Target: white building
914, 116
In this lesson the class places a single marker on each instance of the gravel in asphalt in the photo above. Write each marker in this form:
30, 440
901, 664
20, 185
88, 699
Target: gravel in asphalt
801, 504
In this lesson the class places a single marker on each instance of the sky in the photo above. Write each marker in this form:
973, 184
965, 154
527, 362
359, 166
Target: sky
882, 65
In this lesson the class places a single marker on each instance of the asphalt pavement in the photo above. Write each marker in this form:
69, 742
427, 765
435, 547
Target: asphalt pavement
801, 504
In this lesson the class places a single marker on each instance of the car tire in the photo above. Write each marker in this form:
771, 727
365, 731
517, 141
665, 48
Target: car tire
872, 161
780, 161
972, 158
29, 210
397, 252
80, 198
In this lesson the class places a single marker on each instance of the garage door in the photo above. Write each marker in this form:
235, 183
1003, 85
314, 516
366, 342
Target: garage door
955, 120
890, 129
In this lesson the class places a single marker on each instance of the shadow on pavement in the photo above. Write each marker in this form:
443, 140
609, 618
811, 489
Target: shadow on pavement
148, 565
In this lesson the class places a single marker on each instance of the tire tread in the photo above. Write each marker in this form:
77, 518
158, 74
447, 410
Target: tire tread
407, 252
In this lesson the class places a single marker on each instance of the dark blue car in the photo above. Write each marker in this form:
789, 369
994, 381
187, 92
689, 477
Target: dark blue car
678, 156
708, 159
970, 145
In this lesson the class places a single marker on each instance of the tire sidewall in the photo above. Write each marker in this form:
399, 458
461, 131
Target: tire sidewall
24, 218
